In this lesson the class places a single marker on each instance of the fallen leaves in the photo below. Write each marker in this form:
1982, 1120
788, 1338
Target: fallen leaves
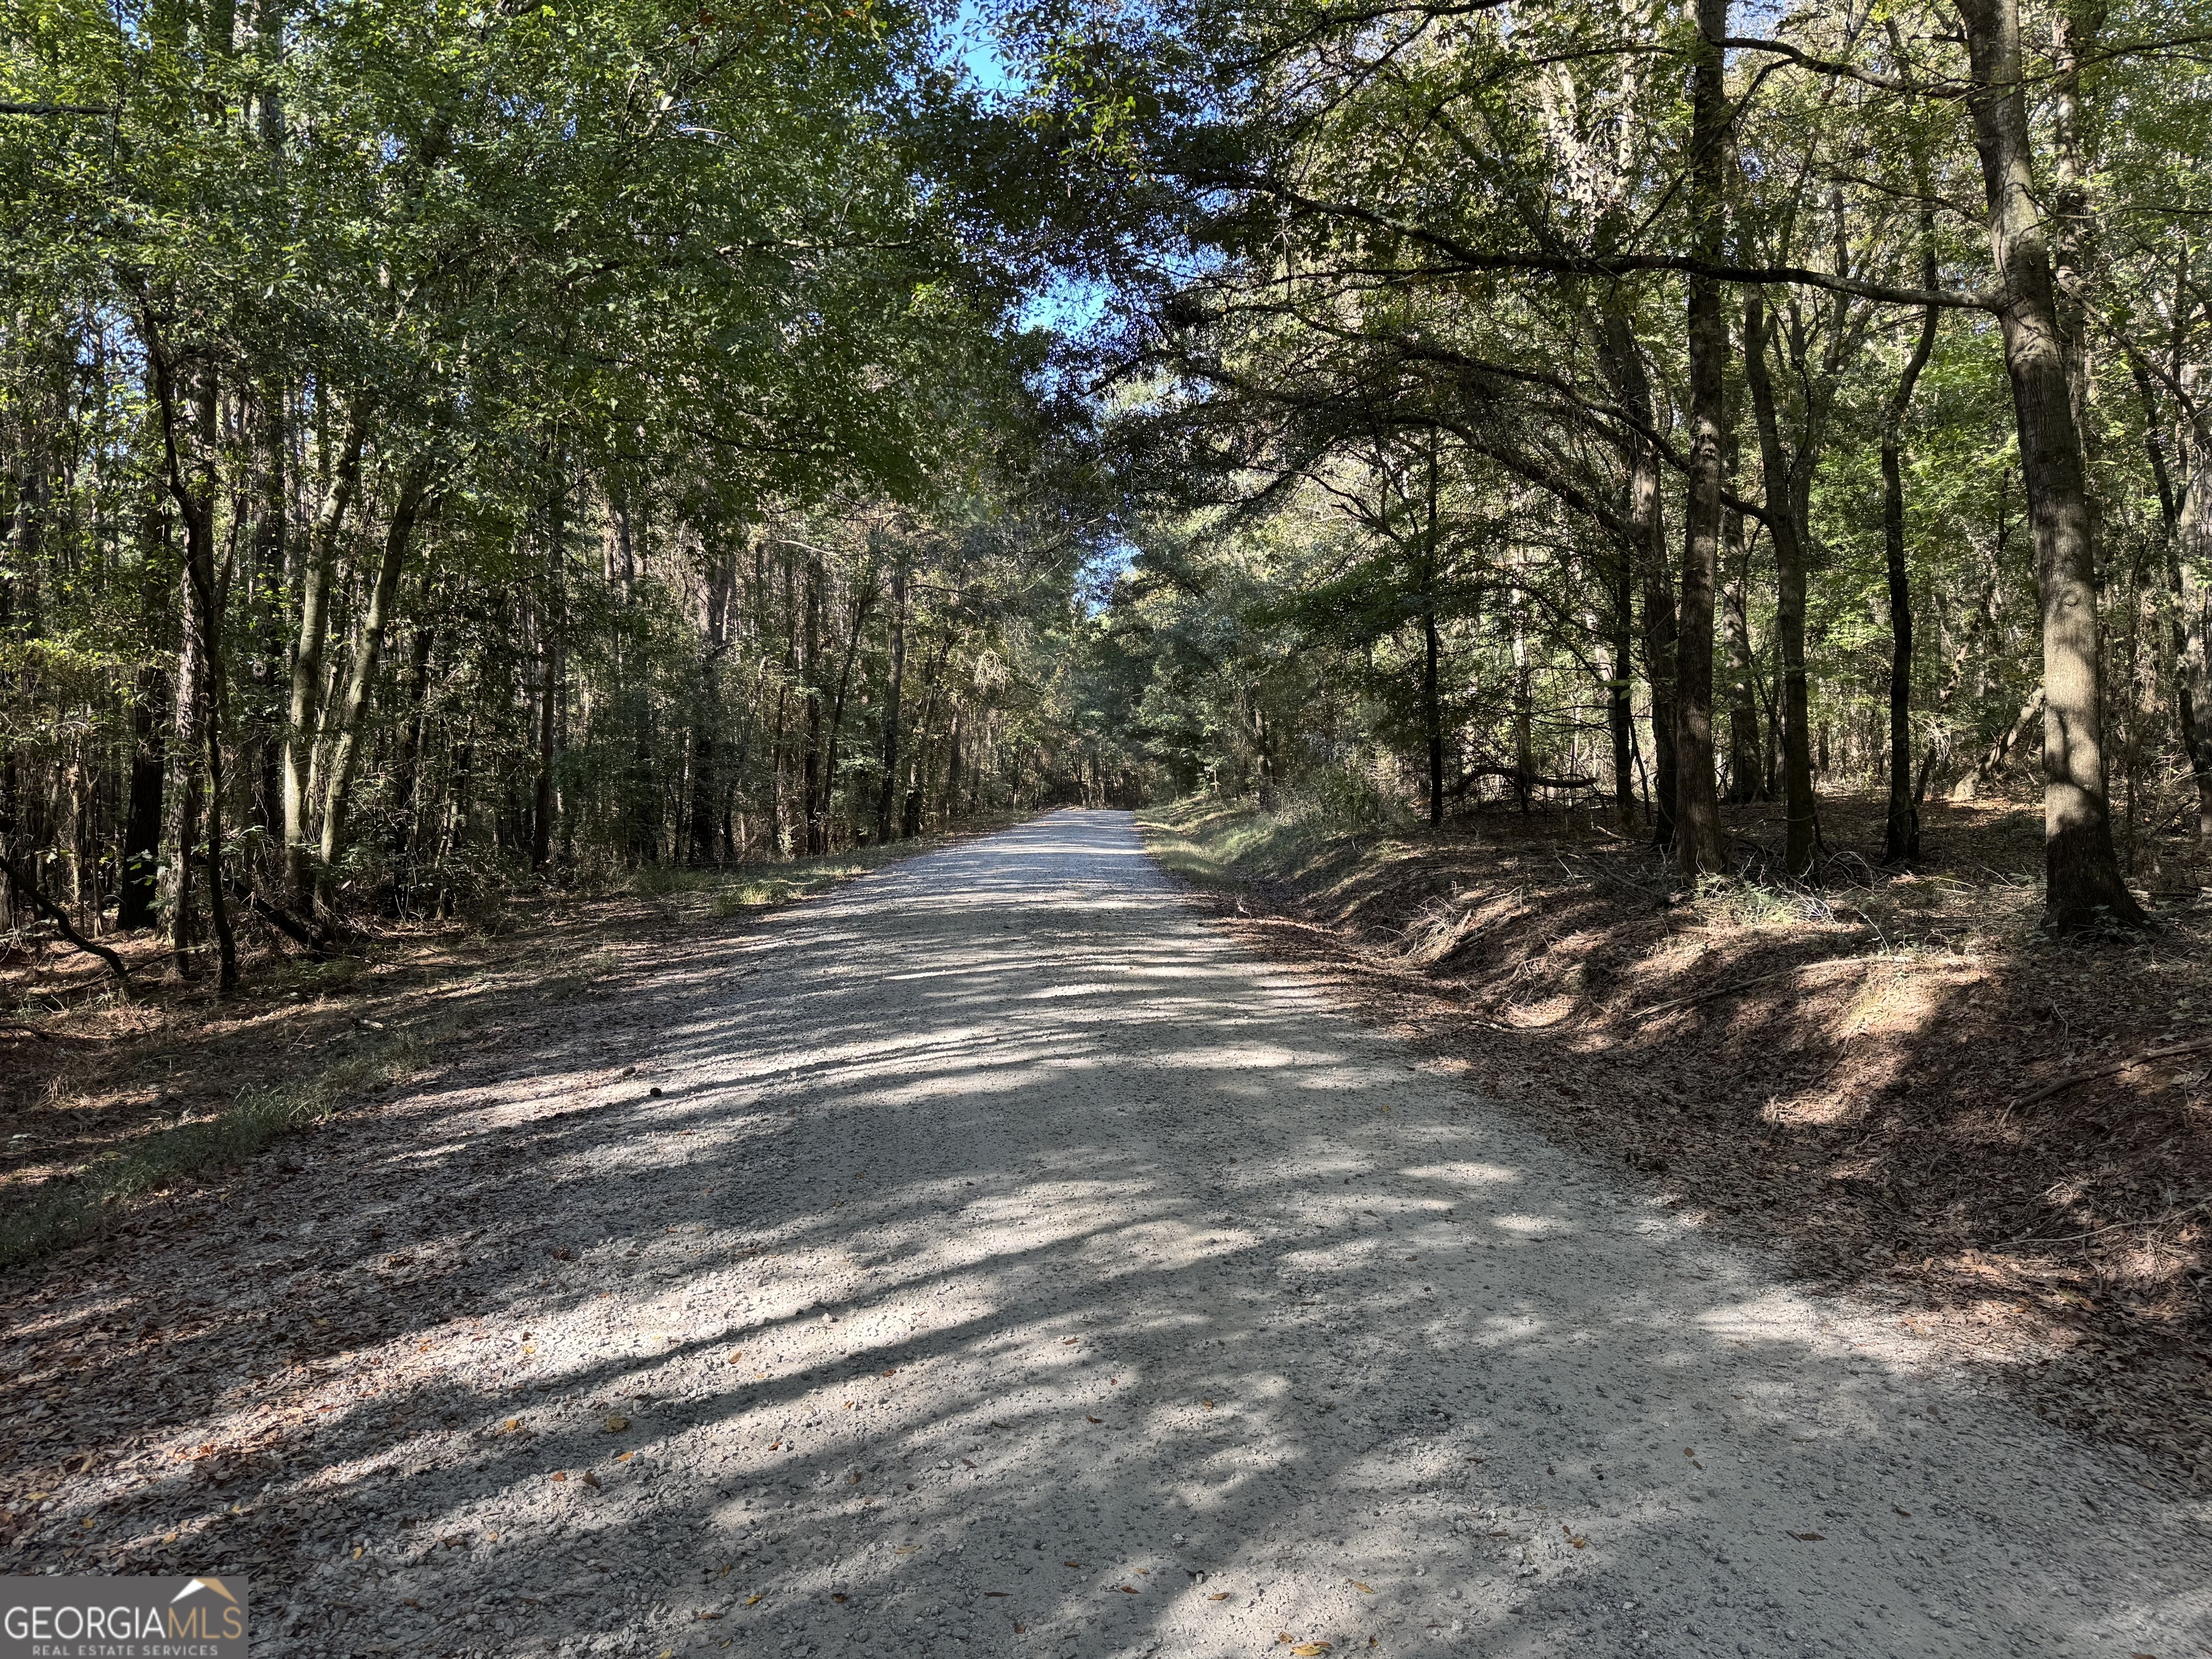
756, 1600
617, 1425
839, 1595
1089, 1418
1365, 1590
1810, 1537
736, 1357
1219, 1595
1128, 1589
560, 1475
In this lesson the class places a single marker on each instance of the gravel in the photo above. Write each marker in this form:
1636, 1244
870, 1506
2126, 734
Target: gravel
1010, 1264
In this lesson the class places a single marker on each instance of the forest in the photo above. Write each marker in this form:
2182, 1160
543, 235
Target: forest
451, 451
764, 764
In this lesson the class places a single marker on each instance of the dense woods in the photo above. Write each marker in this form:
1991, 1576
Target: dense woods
448, 449
456, 448
1658, 406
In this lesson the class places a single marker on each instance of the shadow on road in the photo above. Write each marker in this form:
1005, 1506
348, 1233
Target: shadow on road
990, 1259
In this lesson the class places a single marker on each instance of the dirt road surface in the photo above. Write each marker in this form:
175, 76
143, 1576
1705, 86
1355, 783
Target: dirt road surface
992, 1258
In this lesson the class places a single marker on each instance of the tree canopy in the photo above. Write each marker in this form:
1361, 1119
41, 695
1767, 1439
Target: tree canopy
458, 446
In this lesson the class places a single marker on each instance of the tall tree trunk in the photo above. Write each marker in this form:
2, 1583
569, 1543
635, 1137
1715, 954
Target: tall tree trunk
815, 788
1698, 848
189, 449
361, 683
1646, 556
1746, 759
1432, 712
953, 768
2082, 885
706, 750
1901, 830
407, 768
1619, 706
917, 772
136, 881
2188, 554
553, 633
264, 583
1786, 528
308, 655
1432, 719
860, 609
180, 836
886, 825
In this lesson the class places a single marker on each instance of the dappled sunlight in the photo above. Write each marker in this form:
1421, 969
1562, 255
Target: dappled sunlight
896, 1320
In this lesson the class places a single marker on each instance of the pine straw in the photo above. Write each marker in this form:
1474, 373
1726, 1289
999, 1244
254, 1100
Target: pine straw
1899, 1082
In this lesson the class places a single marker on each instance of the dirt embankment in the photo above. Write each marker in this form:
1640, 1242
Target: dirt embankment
1896, 1080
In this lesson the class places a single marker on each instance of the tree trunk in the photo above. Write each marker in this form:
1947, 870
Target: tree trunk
136, 883
353, 710
1646, 556
1620, 707
1698, 848
811, 789
550, 642
407, 770
307, 657
1746, 759
860, 609
270, 534
2082, 885
953, 768
189, 468
1901, 832
886, 800
1432, 719
2188, 551
1786, 528
180, 837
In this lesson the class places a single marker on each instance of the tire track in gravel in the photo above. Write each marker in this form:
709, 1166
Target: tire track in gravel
993, 1258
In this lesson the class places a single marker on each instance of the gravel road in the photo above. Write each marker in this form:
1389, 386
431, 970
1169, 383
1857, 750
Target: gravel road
1005, 1262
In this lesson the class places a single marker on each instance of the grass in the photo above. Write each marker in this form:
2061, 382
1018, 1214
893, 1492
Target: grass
69, 1210
1214, 845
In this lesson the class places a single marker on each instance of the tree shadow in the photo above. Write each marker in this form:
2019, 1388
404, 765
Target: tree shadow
1007, 1264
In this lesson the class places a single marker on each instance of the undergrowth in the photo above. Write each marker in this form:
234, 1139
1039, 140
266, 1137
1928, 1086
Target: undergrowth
63, 1212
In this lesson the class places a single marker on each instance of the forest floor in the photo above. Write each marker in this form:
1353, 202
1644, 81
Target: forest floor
111, 1096
992, 1256
1898, 1080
